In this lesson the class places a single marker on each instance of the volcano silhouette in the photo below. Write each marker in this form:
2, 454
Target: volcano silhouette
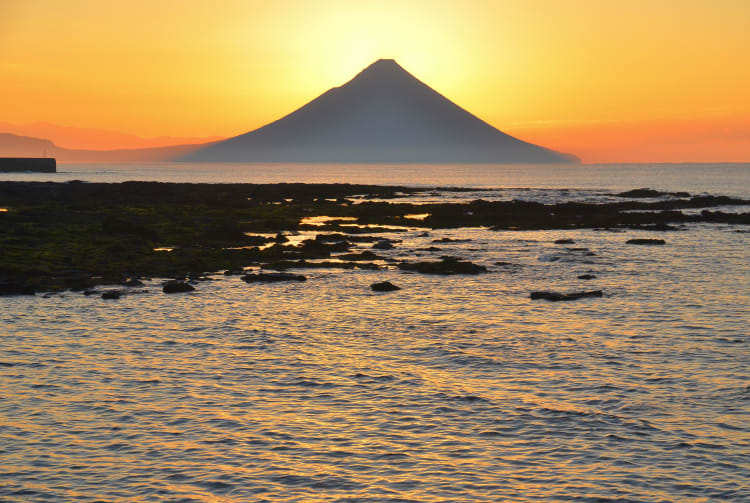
383, 115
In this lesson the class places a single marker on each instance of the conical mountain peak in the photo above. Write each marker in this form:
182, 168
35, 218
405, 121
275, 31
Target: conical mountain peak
383, 115
384, 71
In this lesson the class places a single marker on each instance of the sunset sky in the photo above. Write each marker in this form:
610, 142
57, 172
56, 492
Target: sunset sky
639, 81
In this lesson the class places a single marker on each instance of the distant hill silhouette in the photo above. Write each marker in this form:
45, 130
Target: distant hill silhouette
12, 145
384, 114
85, 138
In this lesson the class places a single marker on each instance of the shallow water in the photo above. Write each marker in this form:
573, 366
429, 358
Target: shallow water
456, 388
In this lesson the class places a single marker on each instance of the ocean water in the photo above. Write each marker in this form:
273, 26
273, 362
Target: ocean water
456, 388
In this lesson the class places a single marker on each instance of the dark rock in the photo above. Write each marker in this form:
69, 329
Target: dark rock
365, 255
111, 294
557, 296
423, 234
317, 249
661, 227
10, 288
383, 245
233, 272
587, 276
115, 225
346, 237
564, 242
448, 265
132, 282
280, 238
449, 240
642, 193
273, 277
177, 287
282, 265
644, 241
88, 292
384, 286
430, 249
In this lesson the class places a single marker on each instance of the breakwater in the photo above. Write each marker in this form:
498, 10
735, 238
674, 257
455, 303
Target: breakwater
33, 164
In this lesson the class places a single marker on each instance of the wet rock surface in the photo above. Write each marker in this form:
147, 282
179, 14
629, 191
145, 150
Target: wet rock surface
177, 287
557, 296
12, 288
447, 266
644, 193
384, 286
646, 242
272, 277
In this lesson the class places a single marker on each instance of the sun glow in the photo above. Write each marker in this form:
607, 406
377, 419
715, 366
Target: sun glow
218, 70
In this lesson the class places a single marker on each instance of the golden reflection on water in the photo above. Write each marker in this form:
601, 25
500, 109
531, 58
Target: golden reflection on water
453, 388
323, 220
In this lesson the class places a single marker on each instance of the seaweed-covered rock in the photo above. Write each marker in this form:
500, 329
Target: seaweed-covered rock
645, 241
447, 266
643, 193
557, 296
272, 277
384, 286
177, 287
12, 288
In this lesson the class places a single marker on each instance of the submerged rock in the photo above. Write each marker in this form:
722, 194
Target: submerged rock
645, 241
384, 286
564, 242
111, 294
177, 287
448, 265
557, 296
587, 276
272, 277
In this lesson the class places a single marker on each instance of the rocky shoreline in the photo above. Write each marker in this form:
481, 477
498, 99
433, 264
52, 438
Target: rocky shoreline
59, 236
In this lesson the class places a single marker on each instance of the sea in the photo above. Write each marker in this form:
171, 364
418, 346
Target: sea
452, 389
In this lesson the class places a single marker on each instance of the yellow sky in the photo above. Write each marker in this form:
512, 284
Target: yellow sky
190, 68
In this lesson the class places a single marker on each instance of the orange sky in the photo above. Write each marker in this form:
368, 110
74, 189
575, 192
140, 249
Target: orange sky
610, 81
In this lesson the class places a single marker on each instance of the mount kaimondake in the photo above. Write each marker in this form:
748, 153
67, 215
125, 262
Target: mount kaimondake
383, 115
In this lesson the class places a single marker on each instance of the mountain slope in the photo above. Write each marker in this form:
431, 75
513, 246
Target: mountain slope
384, 114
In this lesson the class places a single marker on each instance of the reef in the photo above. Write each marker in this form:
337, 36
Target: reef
76, 235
